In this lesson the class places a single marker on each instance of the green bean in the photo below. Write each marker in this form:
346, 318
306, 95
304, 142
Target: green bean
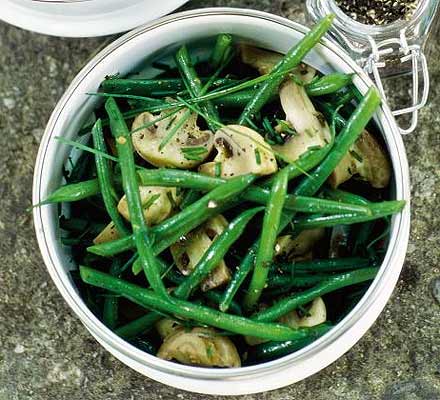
73, 192
217, 297
180, 224
336, 282
139, 325
293, 57
295, 281
345, 197
77, 225
81, 168
342, 98
323, 265
240, 99
184, 309
212, 256
327, 84
331, 114
272, 350
110, 308
362, 235
306, 204
103, 172
364, 231
189, 74
222, 48
266, 248
237, 280
130, 184
321, 87
150, 87
145, 87
352, 130
110, 249
190, 197
378, 210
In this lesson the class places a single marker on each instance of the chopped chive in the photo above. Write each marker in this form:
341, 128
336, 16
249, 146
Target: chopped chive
257, 156
356, 155
172, 201
296, 80
218, 169
285, 127
309, 133
194, 153
153, 122
316, 147
171, 121
182, 121
150, 201
85, 148
252, 125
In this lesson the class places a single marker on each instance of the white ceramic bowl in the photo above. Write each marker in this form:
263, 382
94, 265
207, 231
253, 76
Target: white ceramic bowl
83, 18
163, 37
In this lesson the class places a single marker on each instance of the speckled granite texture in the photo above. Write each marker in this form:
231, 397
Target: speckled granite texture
45, 352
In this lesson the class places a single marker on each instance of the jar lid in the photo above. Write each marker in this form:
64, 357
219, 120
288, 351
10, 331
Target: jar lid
83, 18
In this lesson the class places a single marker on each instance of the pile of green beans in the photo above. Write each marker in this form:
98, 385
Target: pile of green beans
261, 281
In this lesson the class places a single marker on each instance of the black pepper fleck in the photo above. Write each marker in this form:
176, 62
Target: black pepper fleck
378, 12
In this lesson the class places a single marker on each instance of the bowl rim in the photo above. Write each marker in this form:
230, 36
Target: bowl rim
396, 246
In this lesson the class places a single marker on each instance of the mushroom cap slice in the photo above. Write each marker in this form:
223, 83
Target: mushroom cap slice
200, 346
367, 159
317, 314
264, 61
147, 141
158, 203
288, 247
189, 250
240, 151
108, 234
166, 327
311, 128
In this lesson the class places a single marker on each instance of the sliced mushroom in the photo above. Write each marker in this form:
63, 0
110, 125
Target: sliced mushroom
176, 153
316, 315
310, 126
200, 346
367, 159
166, 327
288, 247
108, 234
189, 250
265, 60
240, 150
158, 203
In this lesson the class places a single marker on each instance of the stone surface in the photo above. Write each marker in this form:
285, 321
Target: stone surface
46, 353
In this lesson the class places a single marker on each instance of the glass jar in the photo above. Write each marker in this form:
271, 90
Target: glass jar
393, 49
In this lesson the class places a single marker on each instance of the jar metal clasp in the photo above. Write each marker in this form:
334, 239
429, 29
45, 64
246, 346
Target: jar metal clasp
419, 71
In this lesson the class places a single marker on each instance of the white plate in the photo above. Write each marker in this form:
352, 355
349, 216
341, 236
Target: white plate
83, 18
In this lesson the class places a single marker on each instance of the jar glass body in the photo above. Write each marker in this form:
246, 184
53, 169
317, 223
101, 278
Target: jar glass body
394, 49
359, 39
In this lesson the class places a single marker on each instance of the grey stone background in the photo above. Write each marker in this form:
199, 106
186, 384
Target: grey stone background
45, 352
